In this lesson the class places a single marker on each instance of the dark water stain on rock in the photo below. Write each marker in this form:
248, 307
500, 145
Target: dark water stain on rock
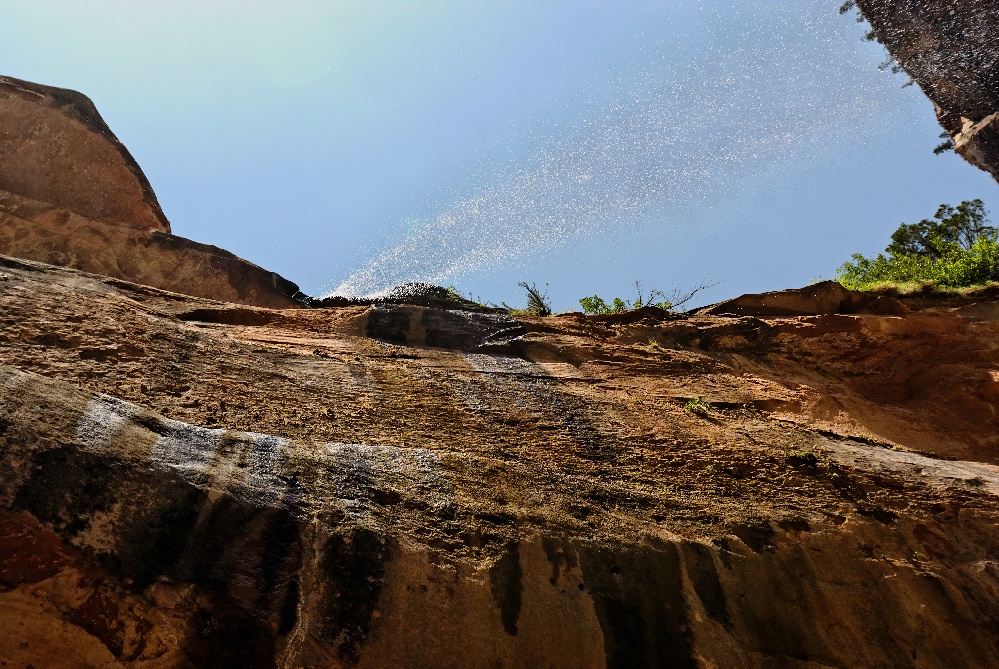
68, 489
638, 597
258, 548
561, 556
352, 564
468, 331
703, 574
280, 558
225, 636
288, 615
758, 536
506, 582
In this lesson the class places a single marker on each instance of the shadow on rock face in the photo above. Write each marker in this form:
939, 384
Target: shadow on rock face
352, 566
438, 328
638, 595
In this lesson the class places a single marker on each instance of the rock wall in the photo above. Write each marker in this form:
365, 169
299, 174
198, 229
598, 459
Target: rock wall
951, 49
72, 195
191, 484
800, 479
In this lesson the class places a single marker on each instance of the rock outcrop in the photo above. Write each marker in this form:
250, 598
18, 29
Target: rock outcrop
72, 195
798, 479
189, 483
951, 49
56, 148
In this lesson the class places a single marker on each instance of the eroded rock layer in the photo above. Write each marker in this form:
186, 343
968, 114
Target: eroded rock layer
951, 49
72, 195
190, 483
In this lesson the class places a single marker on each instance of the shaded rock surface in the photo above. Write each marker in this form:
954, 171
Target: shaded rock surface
72, 195
190, 483
416, 293
826, 297
951, 49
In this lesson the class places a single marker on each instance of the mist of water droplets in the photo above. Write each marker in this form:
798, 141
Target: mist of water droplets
763, 83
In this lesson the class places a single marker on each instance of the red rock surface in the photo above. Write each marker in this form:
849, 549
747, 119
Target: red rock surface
190, 483
799, 479
56, 148
72, 195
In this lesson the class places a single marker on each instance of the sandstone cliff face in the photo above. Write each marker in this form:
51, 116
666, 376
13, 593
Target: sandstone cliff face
951, 49
189, 483
801, 479
72, 195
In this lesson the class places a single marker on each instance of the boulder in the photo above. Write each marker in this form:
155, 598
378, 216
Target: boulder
55, 148
825, 297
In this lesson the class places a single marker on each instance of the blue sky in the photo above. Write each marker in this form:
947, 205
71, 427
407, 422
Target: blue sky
582, 144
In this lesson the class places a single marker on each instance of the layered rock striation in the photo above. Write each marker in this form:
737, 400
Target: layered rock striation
799, 479
190, 483
72, 195
951, 49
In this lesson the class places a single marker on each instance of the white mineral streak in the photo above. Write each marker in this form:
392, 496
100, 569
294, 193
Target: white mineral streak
492, 364
102, 420
358, 474
933, 471
246, 465
256, 468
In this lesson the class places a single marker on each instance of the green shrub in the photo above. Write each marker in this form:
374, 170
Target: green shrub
674, 301
698, 406
801, 457
956, 268
596, 305
954, 249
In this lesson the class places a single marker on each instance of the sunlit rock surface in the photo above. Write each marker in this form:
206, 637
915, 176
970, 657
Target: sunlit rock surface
72, 195
192, 484
799, 479
951, 49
